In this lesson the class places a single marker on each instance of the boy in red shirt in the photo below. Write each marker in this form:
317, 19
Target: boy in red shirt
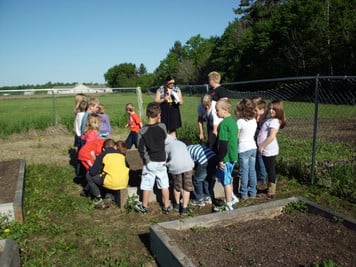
135, 124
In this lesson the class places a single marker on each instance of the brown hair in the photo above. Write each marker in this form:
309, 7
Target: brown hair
279, 109
121, 147
78, 99
153, 110
108, 143
245, 109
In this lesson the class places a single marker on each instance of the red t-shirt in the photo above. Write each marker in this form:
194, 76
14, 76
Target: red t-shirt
84, 153
134, 122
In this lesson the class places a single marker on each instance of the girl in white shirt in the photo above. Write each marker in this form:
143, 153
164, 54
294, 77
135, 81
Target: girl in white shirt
267, 142
247, 149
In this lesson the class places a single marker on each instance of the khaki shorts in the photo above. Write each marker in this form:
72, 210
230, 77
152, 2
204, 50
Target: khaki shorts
183, 181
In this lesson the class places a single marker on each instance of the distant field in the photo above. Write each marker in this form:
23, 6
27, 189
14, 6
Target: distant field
21, 113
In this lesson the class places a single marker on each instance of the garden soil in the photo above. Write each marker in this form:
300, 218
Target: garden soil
287, 240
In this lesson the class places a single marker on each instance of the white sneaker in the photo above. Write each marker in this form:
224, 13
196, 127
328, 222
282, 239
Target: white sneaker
235, 199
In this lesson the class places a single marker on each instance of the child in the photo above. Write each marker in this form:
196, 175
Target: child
78, 108
135, 124
226, 150
109, 171
203, 179
91, 130
206, 112
78, 99
77, 123
87, 155
93, 104
246, 124
78, 142
180, 166
151, 147
261, 117
105, 126
267, 142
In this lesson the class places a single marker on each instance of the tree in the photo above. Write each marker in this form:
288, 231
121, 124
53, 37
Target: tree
123, 75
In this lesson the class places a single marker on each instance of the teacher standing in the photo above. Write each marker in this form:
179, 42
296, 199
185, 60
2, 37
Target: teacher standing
169, 97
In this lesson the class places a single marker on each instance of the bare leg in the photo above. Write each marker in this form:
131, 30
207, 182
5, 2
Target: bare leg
165, 197
145, 197
228, 193
186, 196
176, 196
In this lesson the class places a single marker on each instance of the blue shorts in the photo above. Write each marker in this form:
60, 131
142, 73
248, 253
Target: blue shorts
154, 171
225, 176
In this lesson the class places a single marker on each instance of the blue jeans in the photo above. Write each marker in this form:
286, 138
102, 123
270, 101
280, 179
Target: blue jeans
260, 168
247, 161
199, 181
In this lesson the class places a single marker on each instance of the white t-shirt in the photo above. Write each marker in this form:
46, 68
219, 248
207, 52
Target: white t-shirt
210, 115
78, 123
272, 149
247, 129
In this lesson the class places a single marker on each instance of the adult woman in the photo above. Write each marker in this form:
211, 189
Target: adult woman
170, 98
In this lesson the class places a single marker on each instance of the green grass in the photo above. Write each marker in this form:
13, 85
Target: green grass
63, 229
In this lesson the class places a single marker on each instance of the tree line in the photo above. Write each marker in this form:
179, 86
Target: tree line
268, 39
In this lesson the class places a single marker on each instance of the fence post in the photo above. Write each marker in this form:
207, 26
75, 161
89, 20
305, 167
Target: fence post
54, 108
139, 100
315, 132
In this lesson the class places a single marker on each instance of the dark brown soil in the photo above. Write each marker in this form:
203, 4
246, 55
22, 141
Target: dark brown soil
298, 239
9, 172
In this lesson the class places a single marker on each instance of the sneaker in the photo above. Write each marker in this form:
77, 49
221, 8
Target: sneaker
84, 193
223, 208
184, 212
208, 201
139, 207
108, 201
166, 210
218, 202
100, 204
235, 199
199, 203
176, 207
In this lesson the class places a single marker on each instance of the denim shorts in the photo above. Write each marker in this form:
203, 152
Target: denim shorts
225, 176
154, 171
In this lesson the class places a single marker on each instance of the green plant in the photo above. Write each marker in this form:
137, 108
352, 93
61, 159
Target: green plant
294, 206
131, 202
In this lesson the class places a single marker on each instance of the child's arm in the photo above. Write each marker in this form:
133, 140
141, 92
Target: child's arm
222, 150
272, 135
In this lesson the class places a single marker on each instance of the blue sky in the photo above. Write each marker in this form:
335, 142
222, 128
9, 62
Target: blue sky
79, 40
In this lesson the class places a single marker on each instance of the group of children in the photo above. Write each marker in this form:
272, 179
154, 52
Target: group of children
249, 141
101, 160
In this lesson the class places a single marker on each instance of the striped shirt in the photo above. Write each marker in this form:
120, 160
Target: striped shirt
200, 153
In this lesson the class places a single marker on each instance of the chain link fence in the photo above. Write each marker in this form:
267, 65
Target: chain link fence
318, 142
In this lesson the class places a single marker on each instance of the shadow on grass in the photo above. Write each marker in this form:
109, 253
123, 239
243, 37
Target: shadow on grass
145, 239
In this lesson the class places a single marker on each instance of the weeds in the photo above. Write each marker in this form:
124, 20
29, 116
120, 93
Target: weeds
131, 202
295, 206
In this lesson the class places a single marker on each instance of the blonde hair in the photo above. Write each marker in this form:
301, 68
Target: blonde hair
224, 103
78, 99
92, 123
130, 107
206, 99
215, 76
